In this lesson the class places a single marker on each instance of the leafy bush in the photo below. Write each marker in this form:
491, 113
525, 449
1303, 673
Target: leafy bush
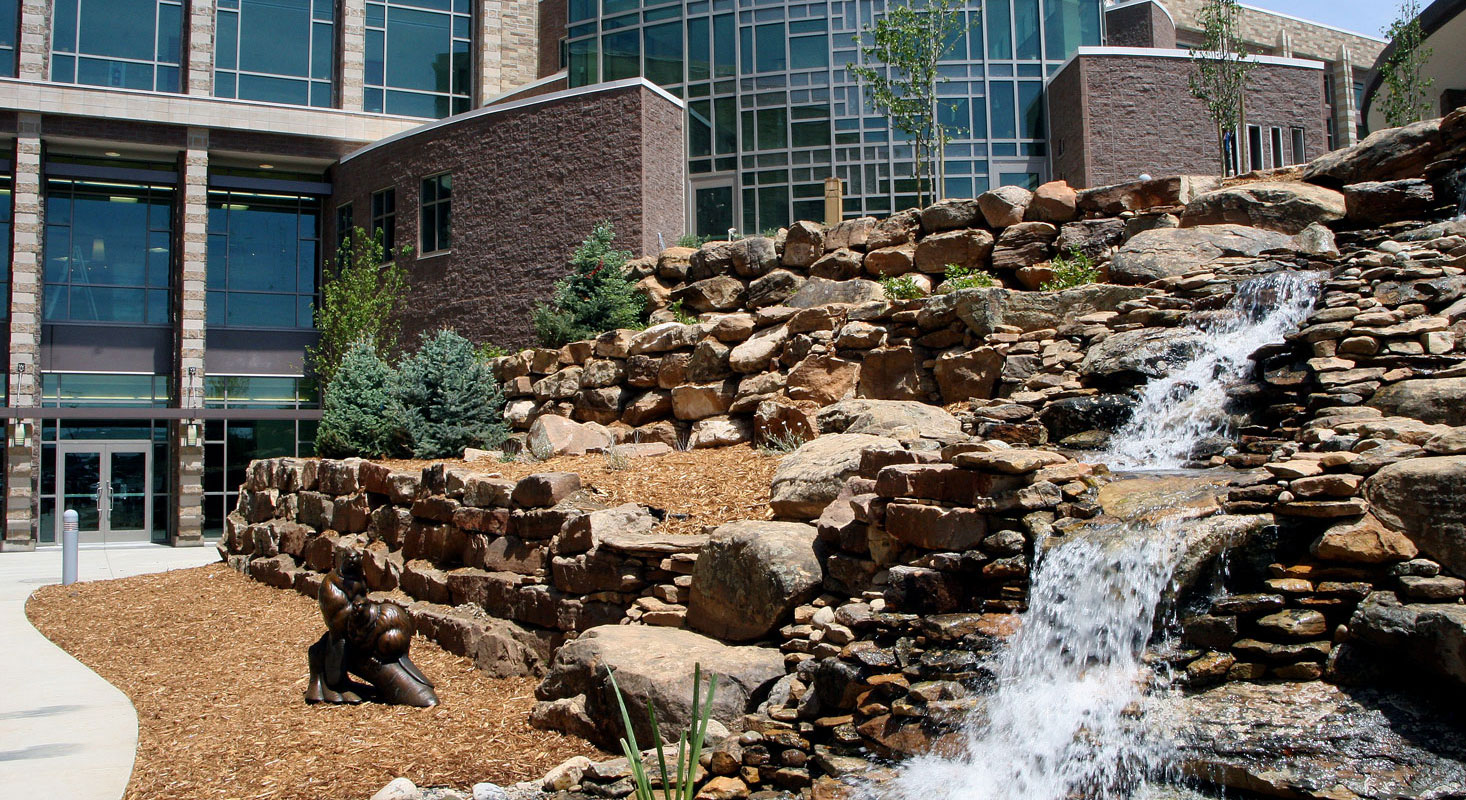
595, 297
693, 240
360, 414
1076, 270
680, 314
958, 278
449, 398
488, 350
360, 295
902, 288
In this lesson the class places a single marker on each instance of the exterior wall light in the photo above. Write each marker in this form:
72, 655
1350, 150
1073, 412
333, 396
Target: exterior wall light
19, 433
191, 434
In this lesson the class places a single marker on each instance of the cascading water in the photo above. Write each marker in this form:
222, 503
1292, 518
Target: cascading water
1062, 719
1177, 412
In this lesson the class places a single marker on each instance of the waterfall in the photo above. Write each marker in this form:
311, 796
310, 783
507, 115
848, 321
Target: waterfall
1177, 412
1067, 717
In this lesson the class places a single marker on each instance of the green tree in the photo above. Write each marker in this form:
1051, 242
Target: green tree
901, 52
360, 414
1406, 101
359, 300
595, 297
1220, 70
449, 398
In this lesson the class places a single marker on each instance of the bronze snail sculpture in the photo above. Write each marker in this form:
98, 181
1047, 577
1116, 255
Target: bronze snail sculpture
364, 638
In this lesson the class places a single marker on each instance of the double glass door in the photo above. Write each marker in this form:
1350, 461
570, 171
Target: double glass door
109, 485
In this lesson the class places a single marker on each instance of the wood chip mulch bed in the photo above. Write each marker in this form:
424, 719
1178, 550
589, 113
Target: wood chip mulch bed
216, 666
708, 487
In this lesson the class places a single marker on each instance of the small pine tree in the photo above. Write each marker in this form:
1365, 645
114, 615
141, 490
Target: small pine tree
360, 415
448, 397
595, 297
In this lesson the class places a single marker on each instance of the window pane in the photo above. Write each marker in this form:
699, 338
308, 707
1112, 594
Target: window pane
1003, 117
623, 55
723, 47
699, 50
583, 63
770, 48
727, 124
1031, 103
999, 27
418, 52
700, 128
1025, 22
809, 52
664, 53
771, 130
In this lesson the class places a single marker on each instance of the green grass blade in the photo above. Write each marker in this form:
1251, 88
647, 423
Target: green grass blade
661, 752
700, 733
633, 755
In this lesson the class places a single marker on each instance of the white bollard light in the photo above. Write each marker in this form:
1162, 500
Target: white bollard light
70, 534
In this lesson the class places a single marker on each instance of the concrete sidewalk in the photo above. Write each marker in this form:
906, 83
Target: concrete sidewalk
65, 732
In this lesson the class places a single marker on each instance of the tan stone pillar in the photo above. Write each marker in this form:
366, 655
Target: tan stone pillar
187, 434
24, 383
34, 58
834, 200
198, 66
507, 46
1346, 114
353, 54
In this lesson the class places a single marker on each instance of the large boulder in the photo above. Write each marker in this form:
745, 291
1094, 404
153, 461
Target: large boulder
969, 247
1092, 237
804, 244
893, 373
1165, 252
965, 375
656, 664
810, 477
1425, 498
1055, 201
1374, 202
1004, 205
1177, 190
557, 436
1316, 740
1024, 245
1385, 155
901, 419
1433, 400
719, 293
823, 292
750, 576
1283, 206
1408, 637
945, 215
1135, 355
985, 309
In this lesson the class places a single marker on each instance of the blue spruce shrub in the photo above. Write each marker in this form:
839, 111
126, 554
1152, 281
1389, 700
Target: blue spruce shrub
594, 298
360, 415
449, 398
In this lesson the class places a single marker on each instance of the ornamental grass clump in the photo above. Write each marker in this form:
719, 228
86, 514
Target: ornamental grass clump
679, 783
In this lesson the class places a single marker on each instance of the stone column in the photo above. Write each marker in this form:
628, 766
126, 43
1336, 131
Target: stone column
198, 67
353, 53
1346, 115
506, 42
23, 382
188, 369
34, 58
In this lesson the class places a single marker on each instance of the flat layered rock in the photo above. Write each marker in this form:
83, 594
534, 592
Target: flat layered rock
812, 476
1167, 252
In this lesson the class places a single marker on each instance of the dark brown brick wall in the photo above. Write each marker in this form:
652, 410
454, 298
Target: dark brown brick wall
1140, 25
1135, 114
554, 16
528, 185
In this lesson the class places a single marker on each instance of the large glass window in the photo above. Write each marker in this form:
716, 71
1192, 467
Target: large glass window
9, 30
263, 260
418, 57
664, 53
278, 51
229, 445
108, 251
6, 209
129, 44
437, 206
384, 218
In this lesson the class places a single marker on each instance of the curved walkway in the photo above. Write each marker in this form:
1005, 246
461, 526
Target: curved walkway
65, 732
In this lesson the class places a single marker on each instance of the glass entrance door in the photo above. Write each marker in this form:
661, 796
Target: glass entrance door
109, 485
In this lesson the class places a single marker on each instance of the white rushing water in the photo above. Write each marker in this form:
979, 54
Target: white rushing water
1067, 716
1177, 412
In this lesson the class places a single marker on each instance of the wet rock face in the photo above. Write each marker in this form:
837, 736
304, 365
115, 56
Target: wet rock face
1316, 740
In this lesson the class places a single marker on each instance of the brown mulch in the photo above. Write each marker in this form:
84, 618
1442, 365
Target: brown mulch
216, 666
710, 486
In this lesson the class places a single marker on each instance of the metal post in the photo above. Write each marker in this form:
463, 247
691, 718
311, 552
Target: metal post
834, 201
70, 527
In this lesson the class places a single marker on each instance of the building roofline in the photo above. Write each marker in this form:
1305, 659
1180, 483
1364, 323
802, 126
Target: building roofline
535, 84
1159, 52
483, 111
1432, 19
1129, 3
1314, 23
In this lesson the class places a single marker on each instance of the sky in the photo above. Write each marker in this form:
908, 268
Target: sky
1361, 16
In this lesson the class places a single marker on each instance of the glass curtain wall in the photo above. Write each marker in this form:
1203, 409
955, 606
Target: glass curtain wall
6, 211
128, 44
773, 111
264, 259
278, 51
108, 250
419, 61
230, 444
114, 390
